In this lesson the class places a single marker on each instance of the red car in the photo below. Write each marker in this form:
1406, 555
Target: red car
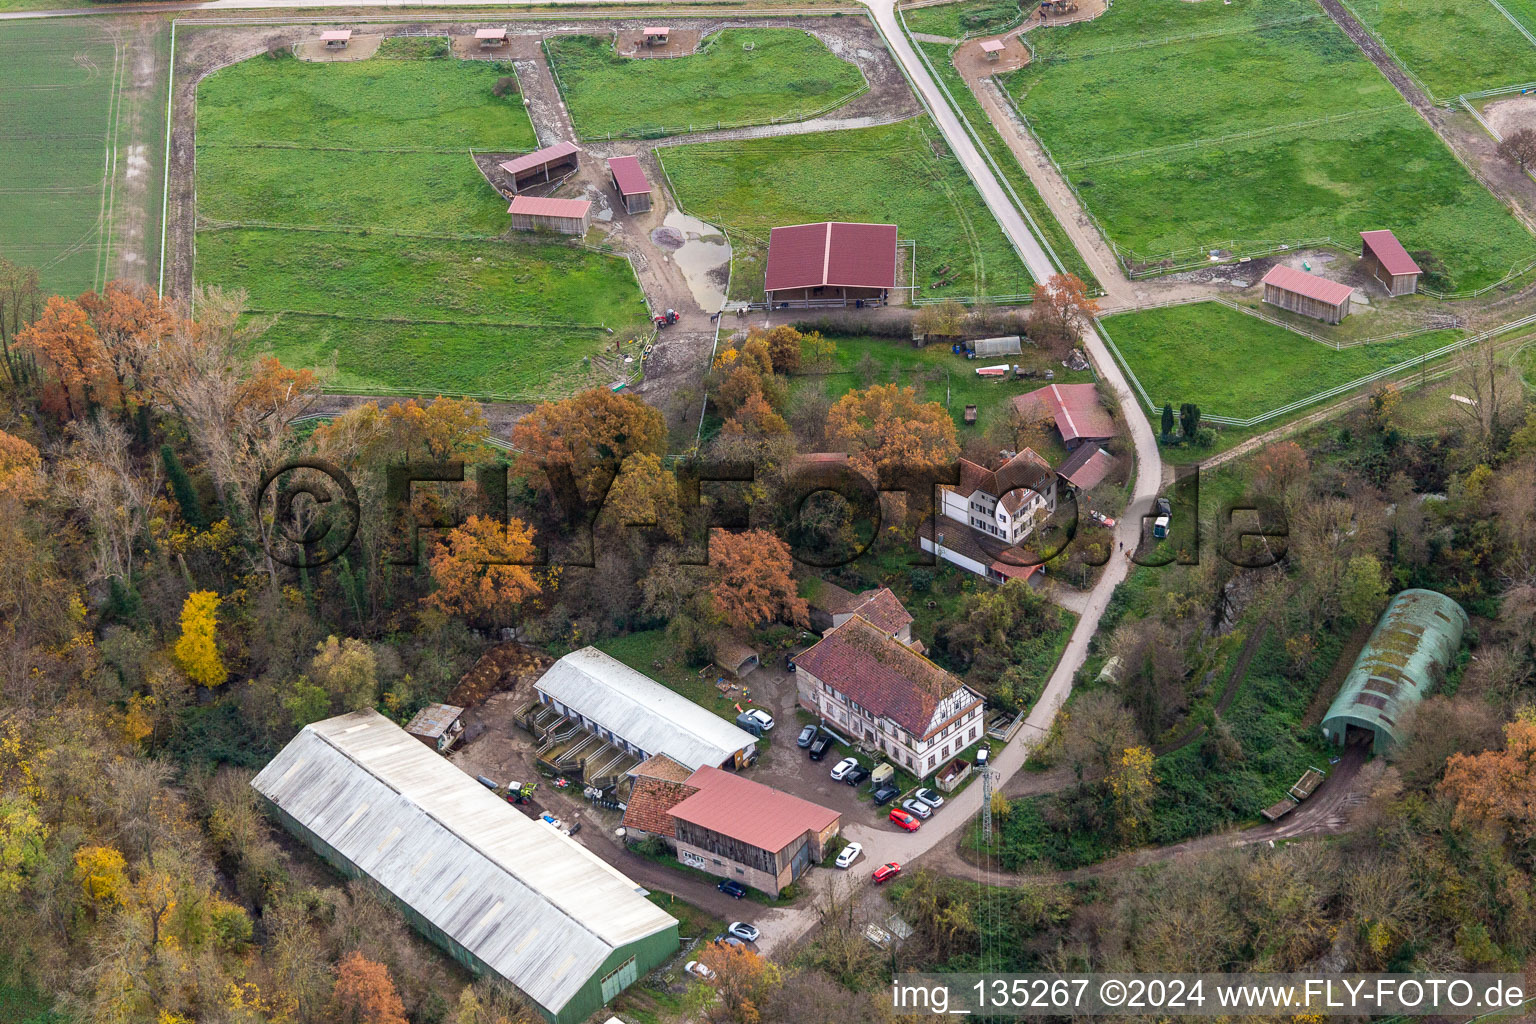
886, 872
905, 820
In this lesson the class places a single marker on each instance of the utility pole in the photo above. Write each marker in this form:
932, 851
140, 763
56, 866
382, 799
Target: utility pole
986, 803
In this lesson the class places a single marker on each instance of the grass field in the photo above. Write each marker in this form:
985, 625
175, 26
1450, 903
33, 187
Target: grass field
1453, 49
967, 17
1232, 364
1023, 187
58, 117
786, 74
1191, 126
378, 260
898, 174
25, 1006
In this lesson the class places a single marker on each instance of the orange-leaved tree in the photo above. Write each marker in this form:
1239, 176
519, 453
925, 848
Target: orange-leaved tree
1060, 310
1498, 787
592, 432
750, 580
481, 570
364, 993
68, 349
744, 980
885, 427
21, 470
130, 319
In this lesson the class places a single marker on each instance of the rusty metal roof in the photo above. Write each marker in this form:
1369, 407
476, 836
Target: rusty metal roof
433, 720
831, 253
1308, 285
1074, 407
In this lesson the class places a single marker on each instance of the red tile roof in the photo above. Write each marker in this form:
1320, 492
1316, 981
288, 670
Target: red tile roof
660, 766
880, 674
1086, 467
1307, 285
1394, 258
1074, 407
1025, 470
629, 175
540, 157
832, 254
748, 811
651, 802
884, 610
543, 206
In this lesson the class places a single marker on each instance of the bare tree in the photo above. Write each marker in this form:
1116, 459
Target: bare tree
101, 479
1490, 391
1519, 147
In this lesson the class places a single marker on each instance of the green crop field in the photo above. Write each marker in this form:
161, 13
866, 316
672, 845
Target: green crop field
898, 174
1192, 126
58, 118
786, 74
378, 258
1233, 364
1453, 49
966, 17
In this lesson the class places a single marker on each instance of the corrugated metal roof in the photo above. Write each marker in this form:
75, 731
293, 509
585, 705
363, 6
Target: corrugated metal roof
636, 708
544, 206
433, 720
539, 157
992, 46
490, 33
831, 253
1308, 285
336, 35
532, 904
751, 812
1086, 467
1394, 258
1075, 408
1405, 658
655, 30
626, 170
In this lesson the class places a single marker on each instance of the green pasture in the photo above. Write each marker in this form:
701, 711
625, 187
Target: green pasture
58, 116
739, 75
1457, 48
900, 174
1190, 126
1233, 364
966, 17
343, 198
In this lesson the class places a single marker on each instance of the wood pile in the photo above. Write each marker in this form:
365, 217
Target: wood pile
503, 667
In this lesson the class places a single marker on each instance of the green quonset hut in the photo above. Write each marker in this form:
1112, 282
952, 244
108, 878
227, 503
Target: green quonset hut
504, 894
1406, 657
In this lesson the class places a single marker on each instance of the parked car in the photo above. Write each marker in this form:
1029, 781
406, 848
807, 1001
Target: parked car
789, 663
885, 794
698, 970
807, 736
886, 872
842, 768
743, 931
858, 775
1100, 517
728, 940
905, 820
763, 719
917, 807
820, 747
732, 888
849, 855
982, 753
930, 798
1163, 507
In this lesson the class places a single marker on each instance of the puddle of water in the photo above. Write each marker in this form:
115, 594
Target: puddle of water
704, 258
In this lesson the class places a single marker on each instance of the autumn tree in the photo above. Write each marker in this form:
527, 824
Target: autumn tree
130, 319
1133, 787
945, 319
751, 581
21, 471
1498, 787
197, 650
756, 418
1060, 310
1519, 147
483, 570
21, 302
644, 494
1280, 467
23, 839
1363, 592
69, 351
117, 494
347, 671
592, 433
816, 351
744, 981
364, 993
1095, 732
885, 428
785, 345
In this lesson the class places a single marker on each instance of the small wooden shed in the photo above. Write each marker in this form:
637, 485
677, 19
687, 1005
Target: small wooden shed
336, 39
490, 38
1307, 294
993, 48
538, 213
1386, 260
655, 35
630, 183
439, 726
541, 165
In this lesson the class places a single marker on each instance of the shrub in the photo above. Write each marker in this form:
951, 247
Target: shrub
505, 86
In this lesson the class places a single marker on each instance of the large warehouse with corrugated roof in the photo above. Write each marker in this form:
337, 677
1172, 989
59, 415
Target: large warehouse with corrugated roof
504, 894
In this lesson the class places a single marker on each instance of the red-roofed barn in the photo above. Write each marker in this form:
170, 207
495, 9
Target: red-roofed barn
630, 183
1074, 408
536, 213
736, 828
540, 166
1387, 260
830, 264
1307, 294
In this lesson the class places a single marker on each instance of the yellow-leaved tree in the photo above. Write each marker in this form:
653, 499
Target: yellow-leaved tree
102, 873
197, 652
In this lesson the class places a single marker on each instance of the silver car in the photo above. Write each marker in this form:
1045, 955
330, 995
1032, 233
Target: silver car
930, 798
743, 931
916, 808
